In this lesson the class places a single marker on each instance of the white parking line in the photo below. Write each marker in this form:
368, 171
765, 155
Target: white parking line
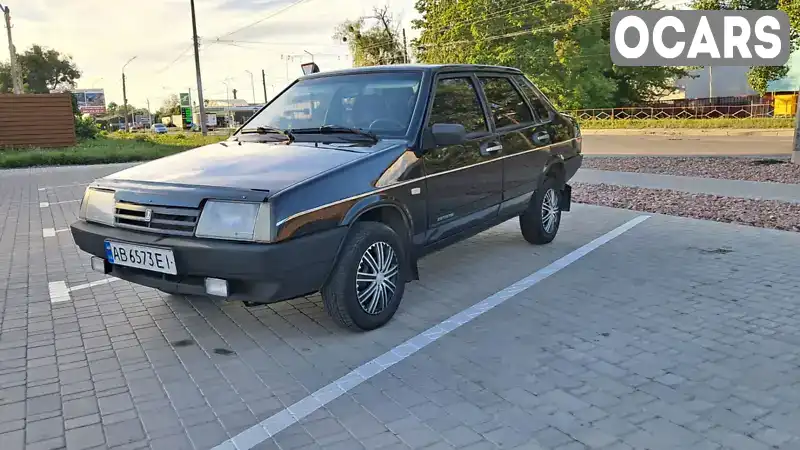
63, 185
47, 204
271, 426
51, 232
59, 291
93, 284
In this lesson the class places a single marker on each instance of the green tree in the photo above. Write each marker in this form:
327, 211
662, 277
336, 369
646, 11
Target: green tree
562, 45
372, 45
42, 70
170, 106
112, 109
759, 77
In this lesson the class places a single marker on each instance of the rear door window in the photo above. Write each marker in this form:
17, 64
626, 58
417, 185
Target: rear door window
533, 97
508, 105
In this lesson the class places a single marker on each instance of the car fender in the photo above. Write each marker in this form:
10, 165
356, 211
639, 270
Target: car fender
371, 203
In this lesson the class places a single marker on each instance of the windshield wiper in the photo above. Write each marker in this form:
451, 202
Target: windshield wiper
336, 129
268, 130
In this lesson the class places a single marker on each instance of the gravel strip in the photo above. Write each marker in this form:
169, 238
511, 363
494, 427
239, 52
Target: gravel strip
778, 170
757, 213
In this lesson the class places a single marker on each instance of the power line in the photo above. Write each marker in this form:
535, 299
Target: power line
263, 19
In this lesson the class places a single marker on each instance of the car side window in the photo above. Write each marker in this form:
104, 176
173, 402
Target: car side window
456, 101
508, 105
533, 97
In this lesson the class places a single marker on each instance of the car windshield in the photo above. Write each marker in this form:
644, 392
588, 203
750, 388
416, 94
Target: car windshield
381, 103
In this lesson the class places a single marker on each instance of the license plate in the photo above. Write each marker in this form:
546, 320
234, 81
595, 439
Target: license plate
141, 257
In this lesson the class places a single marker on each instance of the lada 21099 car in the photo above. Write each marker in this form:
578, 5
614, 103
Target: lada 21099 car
339, 185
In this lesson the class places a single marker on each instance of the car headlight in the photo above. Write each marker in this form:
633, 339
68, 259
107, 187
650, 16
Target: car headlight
98, 206
242, 221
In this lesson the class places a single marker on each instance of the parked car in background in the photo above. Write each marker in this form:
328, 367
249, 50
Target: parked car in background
340, 185
159, 128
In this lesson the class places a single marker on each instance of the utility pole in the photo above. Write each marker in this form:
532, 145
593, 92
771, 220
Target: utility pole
264, 82
405, 47
149, 113
125, 94
710, 82
252, 85
197, 69
16, 76
796, 140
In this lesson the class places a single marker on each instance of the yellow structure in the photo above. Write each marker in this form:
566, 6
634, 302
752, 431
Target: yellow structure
785, 104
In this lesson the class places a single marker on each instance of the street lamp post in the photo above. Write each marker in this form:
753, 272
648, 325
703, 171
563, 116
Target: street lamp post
16, 78
252, 85
125, 93
227, 101
310, 54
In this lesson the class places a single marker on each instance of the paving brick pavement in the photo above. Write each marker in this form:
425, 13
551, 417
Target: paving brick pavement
677, 334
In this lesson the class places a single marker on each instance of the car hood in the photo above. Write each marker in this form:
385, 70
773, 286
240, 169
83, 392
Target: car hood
249, 165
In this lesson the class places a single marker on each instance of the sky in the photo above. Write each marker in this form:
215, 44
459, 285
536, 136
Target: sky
101, 36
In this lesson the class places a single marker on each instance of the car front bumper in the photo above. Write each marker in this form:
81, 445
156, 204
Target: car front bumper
263, 273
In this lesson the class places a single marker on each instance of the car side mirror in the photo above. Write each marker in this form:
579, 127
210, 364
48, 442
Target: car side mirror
444, 134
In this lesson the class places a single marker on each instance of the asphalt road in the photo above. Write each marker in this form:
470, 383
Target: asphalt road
626, 332
687, 145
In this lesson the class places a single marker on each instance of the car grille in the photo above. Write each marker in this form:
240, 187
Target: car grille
163, 219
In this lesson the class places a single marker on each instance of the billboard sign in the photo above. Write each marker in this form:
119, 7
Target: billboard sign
185, 98
91, 101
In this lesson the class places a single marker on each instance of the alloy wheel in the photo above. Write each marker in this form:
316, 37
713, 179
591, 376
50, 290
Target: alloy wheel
550, 211
376, 277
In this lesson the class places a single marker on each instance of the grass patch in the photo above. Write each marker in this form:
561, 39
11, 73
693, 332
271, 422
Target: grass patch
754, 123
113, 148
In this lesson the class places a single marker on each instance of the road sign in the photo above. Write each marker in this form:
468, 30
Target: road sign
185, 99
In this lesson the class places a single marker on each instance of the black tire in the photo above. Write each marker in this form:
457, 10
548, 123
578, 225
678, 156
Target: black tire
532, 222
340, 295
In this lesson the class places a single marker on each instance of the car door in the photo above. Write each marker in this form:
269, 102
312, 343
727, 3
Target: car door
558, 129
524, 138
464, 182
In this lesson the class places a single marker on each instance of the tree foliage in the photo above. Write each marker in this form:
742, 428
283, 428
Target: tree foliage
42, 70
170, 106
562, 45
759, 77
375, 44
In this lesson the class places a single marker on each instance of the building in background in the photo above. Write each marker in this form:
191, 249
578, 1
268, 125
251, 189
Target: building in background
731, 81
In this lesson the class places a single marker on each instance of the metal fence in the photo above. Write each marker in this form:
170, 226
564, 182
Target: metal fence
763, 110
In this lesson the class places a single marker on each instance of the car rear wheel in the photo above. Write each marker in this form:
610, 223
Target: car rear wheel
539, 223
368, 281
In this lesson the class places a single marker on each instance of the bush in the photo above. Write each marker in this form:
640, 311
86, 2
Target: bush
86, 128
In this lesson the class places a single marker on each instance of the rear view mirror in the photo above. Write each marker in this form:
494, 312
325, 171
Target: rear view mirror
445, 134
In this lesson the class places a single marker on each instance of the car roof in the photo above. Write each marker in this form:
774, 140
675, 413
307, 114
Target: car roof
430, 68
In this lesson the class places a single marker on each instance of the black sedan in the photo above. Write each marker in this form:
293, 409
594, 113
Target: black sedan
339, 185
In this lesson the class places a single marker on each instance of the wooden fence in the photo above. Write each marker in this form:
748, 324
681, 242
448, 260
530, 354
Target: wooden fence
36, 120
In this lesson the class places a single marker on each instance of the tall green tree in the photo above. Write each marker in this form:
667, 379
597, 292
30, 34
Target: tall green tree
42, 70
373, 40
562, 45
759, 77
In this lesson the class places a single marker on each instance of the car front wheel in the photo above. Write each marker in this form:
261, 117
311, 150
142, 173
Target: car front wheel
368, 281
539, 223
